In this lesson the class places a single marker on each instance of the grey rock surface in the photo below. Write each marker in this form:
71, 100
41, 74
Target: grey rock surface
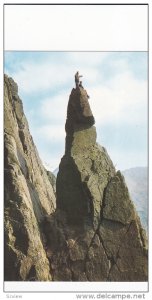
29, 196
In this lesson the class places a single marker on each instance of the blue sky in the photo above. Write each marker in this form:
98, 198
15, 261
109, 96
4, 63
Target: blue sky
116, 83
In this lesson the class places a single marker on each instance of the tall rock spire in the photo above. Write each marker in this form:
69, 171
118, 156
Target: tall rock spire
86, 167
109, 243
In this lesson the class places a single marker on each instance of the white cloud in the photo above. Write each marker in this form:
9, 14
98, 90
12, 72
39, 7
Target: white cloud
91, 59
52, 133
50, 161
122, 100
119, 64
50, 140
127, 158
119, 99
47, 75
35, 77
54, 109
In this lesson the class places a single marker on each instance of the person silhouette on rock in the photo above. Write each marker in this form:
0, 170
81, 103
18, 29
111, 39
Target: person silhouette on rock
80, 85
77, 76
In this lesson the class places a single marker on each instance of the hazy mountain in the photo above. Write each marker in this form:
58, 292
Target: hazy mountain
137, 182
55, 172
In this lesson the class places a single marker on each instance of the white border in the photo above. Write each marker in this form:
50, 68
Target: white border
76, 27
75, 286
66, 296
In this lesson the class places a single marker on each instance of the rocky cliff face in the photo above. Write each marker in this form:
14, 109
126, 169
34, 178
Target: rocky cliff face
94, 234
28, 195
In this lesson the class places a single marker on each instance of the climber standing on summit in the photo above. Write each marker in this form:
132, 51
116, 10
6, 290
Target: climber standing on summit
77, 76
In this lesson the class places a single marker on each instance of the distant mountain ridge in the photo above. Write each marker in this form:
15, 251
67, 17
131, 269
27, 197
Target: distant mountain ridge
55, 172
137, 182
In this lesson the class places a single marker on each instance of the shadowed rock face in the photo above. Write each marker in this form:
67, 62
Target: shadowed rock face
79, 117
28, 195
79, 114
